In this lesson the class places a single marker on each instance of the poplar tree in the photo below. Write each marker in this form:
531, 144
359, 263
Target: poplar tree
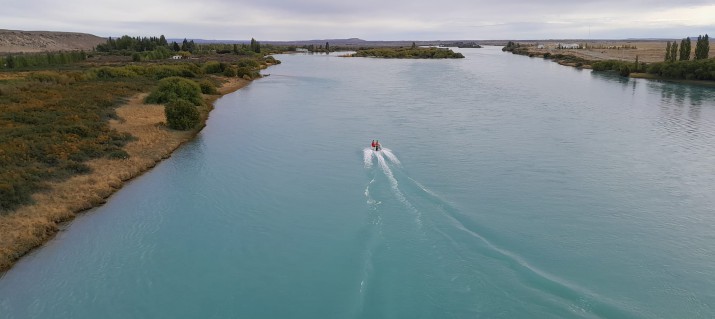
185, 45
685, 49
698, 47
255, 46
702, 47
667, 52
674, 51
10, 62
327, 47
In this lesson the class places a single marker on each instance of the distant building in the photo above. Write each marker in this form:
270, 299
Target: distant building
540, 46
176, 57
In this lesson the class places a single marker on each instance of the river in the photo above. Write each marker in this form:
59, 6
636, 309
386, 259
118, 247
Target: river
508, 187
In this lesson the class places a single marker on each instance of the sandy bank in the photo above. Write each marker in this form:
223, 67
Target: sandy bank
31, 226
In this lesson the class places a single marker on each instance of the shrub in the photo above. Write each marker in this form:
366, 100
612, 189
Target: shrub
181, 115
249, 63
208, 87
118, 154
230, 71
106, 72
624, 70
51, 77
76, 167
271, 59
175, 88
245, 72
213, 67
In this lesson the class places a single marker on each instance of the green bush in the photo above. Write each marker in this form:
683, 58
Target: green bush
229, 72
246, 72
175, 88
213, 67
107, 72
118, 154
208, 87
249, 63
51, 77
181, 115
624, 70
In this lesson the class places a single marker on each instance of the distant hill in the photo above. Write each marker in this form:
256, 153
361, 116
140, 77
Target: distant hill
15, 41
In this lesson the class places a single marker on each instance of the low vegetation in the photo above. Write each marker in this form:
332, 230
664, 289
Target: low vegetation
680, 62
52, 120
409, 53
181, 115
176, 88
51, 123
40, 60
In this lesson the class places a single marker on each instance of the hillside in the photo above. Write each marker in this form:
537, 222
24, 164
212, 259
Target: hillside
14, 41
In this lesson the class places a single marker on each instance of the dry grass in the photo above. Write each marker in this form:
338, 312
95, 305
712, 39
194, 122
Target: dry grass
647, 51
31, 226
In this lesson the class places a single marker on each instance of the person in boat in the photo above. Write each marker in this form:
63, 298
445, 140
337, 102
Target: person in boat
377, 145
373, 144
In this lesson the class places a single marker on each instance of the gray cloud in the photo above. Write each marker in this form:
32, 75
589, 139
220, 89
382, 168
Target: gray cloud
368, 19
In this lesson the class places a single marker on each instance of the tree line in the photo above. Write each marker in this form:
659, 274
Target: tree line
673, 52
29, 60
147, 44
144, 44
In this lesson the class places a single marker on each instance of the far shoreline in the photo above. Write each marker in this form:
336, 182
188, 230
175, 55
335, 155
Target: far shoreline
31, 226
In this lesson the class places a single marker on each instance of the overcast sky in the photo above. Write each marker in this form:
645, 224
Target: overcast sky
366, 19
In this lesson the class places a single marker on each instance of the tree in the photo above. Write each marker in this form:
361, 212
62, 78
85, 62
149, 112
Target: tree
667, 52
10, 62
635, 65
674, 51
255, 46
685, 49
185, 45
162, 41
192, 46
414, 45
175, 46
702, 47
327, 47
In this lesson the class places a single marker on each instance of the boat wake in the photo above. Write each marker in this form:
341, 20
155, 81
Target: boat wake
450, 235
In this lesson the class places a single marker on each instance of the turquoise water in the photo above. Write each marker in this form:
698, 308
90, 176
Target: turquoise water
509, 187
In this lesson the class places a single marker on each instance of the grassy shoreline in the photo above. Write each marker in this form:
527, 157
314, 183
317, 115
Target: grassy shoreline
573, 60
33, 225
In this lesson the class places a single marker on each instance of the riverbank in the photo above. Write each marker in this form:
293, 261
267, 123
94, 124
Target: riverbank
694, 72
32, 225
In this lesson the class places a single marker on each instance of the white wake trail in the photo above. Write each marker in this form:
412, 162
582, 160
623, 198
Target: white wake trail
391, 156
367, 154
395, 187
